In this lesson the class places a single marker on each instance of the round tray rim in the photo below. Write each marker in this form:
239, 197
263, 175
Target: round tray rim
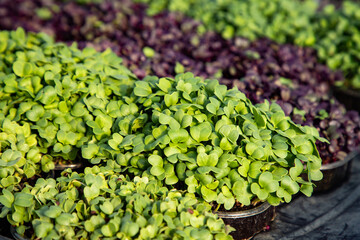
352, 155
245, 213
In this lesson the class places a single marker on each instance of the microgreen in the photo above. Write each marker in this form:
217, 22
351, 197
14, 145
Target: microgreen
54, 98
212, 139
112, 207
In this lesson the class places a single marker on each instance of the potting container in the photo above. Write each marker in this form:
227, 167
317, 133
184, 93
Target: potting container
16, 235
336, 173
350, 98
249, 222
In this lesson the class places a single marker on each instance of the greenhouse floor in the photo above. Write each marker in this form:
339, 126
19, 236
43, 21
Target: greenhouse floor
334, 215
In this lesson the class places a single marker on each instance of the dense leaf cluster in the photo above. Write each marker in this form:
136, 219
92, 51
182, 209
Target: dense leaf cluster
169, 43
338, 40
59, 102
54, 98
213, 140
100, 203
291, 76
281, 20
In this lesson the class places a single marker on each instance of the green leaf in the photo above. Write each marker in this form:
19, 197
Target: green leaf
202, 159
192, 183
164, 119
282, 154
186, 121
212, 108
35, 113
208, 195
307, 189
89, 226
22, 69
280, 146
133, 229
149, 52
315, 175
179, 68
233, 136
7, 198
164, 85
290, 185
64, 219
107, 208
257, 152
157, 171
267, 182
283, 125
241, 191
244, 168
296, 170
180, 135
279, 173
259, 119
47, 95
227, 201
91, 192
171, 180
53, 212
89, 151
42, 229
180, 170
95, 222
251, 147
254, 169
24, 199
10, 157
201, 132
262, 194
142, 89
171, 99
170, 151
277, 117
225, 144
305, 148
155, 160
220, 91
282, 193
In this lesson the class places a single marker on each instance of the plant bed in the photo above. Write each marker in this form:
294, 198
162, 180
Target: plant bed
249, 222
287, 72
54, 98
100, 203
213, 142
133, 168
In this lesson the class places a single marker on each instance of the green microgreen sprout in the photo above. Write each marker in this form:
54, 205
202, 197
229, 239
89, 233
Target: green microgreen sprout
212, 141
